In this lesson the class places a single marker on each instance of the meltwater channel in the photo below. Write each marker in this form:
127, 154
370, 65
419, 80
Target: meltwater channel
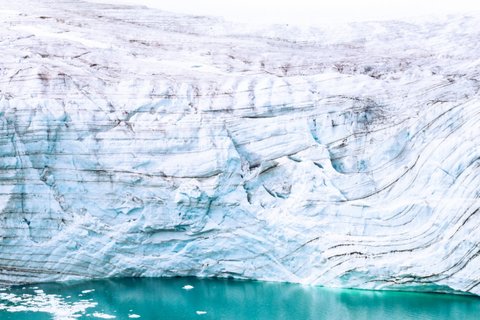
193, 298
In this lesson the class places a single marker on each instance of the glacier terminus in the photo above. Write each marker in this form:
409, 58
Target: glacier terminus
138, 142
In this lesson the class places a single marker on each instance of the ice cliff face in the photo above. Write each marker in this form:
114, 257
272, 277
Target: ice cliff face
140, 143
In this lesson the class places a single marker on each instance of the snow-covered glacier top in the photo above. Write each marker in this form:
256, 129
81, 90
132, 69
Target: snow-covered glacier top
136, 142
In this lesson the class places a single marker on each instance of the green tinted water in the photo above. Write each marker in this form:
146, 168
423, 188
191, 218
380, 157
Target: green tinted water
133, 298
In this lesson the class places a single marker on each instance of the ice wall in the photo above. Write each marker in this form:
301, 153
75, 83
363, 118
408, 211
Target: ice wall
136, 142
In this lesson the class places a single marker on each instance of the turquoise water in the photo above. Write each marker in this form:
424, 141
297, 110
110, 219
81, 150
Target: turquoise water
135, 298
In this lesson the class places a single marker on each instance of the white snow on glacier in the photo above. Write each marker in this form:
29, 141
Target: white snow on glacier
136, 142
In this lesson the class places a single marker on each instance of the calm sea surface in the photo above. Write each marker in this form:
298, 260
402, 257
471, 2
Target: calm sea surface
191, 298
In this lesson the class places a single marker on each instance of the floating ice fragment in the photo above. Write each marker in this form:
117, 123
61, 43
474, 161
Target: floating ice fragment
103, 315
43, 302
88, 291
200, 312
187, 287
18, 309
134, 316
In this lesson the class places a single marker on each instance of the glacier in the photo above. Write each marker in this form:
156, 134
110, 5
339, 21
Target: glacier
137, 142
